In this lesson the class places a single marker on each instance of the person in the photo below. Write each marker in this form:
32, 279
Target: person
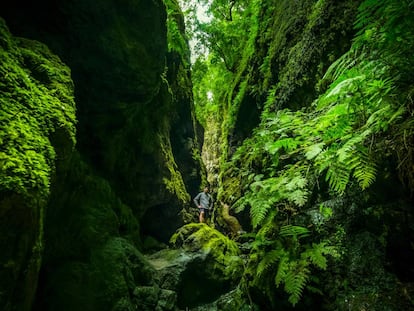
204, 202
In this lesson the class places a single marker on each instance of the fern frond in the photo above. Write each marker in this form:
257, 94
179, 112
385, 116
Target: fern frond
258, 212
366, 11
261, 242
341, 87
338, 176
269, 260
282, 270
262, 198
348, 150
288, 144
295, 281
240, 205
268, 227
296, 231
324, 159
365, 169
313, 150
316, 255
342, 64
299, 197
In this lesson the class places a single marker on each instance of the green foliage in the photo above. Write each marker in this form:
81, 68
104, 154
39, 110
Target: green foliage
228, 52
36, 105
329, 121
336, 144
175, 28
283, 258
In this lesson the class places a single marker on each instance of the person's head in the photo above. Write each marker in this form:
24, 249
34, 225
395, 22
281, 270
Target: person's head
205, 189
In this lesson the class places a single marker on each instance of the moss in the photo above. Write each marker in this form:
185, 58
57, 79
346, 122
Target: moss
37, 126
125, 163
318, 35
84, 213
37, 100
233, 300
224, 251
174, 182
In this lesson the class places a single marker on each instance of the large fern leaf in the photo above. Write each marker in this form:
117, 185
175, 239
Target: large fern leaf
282, 270
316, 255
296, 231
313, 150
356, 157
338, 175
258, 213
269, 260
365, 169
295, 280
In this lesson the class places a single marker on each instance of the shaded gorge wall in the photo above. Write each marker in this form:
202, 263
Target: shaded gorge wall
134, 157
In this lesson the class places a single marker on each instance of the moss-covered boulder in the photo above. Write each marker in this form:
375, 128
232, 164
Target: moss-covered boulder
37, 129
233, 300
201, 269
204, 265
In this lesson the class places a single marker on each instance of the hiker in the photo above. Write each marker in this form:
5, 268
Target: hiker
204, 202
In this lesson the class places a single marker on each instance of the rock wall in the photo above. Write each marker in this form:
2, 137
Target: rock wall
133, 163
37, 129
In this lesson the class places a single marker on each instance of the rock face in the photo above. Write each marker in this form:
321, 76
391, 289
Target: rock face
133, 164
37, 127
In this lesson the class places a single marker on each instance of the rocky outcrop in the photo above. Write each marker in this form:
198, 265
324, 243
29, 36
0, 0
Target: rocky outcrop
203, 265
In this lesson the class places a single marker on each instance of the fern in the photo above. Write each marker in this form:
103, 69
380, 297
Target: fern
316, 254
295, 231
356, 157
260, 203
364, 168
338, 176
295, 280
340, 138
269, 260
344, 63
258, 213
286, 260
282, 270
313, 150
289, 144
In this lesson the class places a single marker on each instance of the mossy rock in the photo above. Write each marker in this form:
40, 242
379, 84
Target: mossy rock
233, 300
37, 126
216, 268
103, 282
150, 298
